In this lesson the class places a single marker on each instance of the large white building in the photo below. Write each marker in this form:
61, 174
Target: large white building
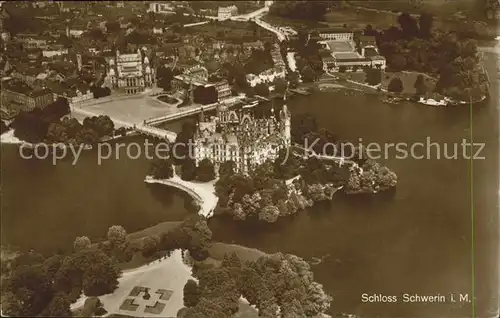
347, 53
227, 12
336, 34
130, 72
160, 7
240, 137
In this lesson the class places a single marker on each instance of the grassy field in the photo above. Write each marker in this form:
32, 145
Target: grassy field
226, 30
218, 250
437, 7
294, 24
408, 79
154, 230
358, 19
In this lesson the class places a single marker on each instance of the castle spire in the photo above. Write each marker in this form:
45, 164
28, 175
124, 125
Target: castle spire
202, 115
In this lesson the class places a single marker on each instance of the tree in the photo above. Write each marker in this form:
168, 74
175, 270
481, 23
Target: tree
117, 235
308, 74
398, 62
87, 136
293, 78
162, 168
205, 171
112, 26
227, 168
81, 243
262, 89
72, 126
316, 192
395, 85
425, 22
3, 127
57, 133
280, 85
317, 300
191, 293
57, 109
373, 76
100, 275
188, 171
29, 290
408, 25
59, 306
150, 245
195, 236
104, 126
92, 307
269, 213
164, 77
420, 87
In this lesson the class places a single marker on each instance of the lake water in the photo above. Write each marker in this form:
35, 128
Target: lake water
416, 240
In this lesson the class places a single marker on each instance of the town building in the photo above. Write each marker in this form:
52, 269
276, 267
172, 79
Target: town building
54, 51
130, 73
18, 96
159, 7
36, 42
345, 53
268, 76
197, 77
335, 34
158, 29
227, 12
240, 137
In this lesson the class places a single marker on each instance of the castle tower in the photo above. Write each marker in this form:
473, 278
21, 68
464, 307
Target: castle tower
79, 62
285, 123
147, 72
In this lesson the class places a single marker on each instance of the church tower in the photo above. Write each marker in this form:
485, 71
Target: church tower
285, 123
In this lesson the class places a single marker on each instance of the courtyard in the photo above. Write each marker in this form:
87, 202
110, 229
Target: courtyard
163, 281
129, 110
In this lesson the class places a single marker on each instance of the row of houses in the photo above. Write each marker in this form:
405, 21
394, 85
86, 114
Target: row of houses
18, 96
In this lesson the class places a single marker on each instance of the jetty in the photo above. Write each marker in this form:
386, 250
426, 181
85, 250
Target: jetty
300, 91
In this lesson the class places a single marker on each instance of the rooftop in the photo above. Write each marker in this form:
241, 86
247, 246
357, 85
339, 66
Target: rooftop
23, 88
333, 30
347, 56
339, 46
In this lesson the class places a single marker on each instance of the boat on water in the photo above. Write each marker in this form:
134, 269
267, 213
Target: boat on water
433, 102
393, 100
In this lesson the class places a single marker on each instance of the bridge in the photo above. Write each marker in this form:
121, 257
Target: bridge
143, 128
189, 111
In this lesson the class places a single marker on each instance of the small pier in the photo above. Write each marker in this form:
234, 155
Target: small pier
300, 91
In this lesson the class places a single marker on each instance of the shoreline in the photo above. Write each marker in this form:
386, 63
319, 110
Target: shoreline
202, 193
8, 138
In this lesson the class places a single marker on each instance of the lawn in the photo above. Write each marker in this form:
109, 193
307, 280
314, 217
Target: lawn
408, 79
358, 19
224, 30
294, 24
218, 250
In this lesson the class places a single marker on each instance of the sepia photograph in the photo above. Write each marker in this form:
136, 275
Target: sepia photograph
245, 159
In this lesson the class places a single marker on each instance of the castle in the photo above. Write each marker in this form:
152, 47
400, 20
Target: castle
240, 137
130, 72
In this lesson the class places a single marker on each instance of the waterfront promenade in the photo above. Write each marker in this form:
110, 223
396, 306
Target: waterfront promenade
202, 193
